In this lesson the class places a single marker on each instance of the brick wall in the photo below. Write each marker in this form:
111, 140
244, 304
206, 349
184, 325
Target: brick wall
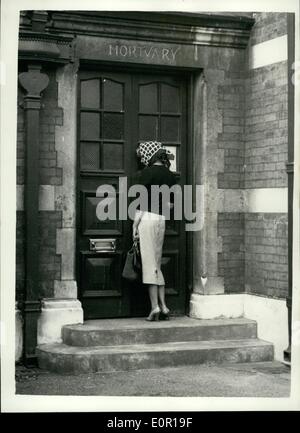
231, 100
254, 138
266, 127
268, 25
266, 254
266, 135
231, 261
49, 262
50, 116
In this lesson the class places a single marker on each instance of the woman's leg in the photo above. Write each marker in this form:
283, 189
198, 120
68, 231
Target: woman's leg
161, 297
155, 310
153, 295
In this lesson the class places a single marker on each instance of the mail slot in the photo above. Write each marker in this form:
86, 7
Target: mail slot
103, 245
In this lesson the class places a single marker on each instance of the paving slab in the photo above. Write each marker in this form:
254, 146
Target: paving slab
261, 379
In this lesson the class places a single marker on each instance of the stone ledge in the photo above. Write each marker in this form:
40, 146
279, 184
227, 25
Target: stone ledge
189, 29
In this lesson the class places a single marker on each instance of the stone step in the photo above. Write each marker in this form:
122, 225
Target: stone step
61, 358
138, 331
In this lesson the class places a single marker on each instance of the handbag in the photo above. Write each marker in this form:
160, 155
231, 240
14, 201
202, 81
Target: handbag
132, 270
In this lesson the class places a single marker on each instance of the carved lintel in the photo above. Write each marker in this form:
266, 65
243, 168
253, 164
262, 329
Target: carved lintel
45, 47
33, 81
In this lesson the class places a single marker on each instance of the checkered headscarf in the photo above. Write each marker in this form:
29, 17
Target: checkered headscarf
148, 149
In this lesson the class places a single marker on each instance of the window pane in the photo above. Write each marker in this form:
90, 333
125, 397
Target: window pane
148, 127
89, 126
170, 129
112, 156
89, 156
169, 98
148, 98
113, 126
90, 94
113, 95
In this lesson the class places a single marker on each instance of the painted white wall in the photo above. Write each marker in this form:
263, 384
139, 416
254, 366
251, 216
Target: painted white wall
216, 306
262, 200
268, 52
270, 314
266, 200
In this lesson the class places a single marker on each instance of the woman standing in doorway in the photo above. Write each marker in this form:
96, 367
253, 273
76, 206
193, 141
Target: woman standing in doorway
149, 225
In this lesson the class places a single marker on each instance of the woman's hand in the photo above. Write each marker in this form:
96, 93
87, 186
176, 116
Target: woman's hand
135, 232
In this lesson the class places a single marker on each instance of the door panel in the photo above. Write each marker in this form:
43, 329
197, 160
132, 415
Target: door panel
115, 112
168, 108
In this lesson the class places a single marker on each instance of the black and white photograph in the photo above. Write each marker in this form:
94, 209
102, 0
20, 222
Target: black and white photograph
150, 206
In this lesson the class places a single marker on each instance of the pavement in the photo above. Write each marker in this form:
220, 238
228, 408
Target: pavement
260, 379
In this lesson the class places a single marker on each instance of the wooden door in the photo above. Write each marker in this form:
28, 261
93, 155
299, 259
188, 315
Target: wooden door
115, 112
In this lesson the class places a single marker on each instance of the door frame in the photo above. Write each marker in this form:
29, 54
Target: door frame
188, 73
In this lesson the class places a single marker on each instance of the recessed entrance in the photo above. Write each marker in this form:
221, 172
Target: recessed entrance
115, 112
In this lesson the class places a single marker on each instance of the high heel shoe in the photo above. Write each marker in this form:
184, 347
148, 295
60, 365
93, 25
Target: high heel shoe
154, 315
164, 314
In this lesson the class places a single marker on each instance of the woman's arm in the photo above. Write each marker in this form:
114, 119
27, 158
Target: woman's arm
137, 220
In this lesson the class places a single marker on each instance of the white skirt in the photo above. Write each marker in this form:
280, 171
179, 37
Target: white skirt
151, 234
